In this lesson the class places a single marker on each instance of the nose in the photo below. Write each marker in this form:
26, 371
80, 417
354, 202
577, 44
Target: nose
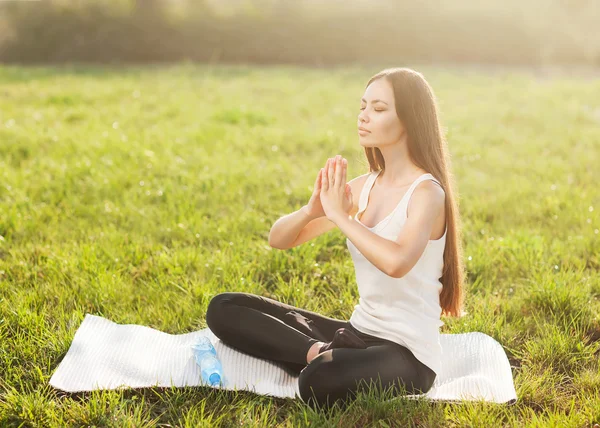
361, 117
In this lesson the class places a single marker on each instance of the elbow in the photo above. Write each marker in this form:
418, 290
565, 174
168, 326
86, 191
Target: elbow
273, 244
398, 264
271, 241
396, 273
276, 243
397, 270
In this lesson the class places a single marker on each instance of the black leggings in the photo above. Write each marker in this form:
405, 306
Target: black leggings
269, 329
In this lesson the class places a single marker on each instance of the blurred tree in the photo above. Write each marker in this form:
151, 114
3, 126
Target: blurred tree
149, 6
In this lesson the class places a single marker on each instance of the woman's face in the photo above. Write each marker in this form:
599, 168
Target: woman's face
378, 116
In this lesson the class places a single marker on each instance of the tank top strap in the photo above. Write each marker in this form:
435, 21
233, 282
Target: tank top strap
364, 194
413, 186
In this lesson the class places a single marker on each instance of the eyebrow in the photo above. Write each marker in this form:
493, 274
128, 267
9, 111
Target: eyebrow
375, 101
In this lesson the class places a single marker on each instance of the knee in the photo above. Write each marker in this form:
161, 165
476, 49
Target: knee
215, 318
310, 385
318, 384
429, 381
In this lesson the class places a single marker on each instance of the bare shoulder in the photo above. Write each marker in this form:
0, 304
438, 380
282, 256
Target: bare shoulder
429, 194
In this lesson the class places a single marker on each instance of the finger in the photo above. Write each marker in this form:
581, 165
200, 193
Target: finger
345, 171
330, 174
338, 172
316, 185
324, 181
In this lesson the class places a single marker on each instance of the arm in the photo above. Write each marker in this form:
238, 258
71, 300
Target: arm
424, 207
296, 229
379, 251
396, 258
286, 229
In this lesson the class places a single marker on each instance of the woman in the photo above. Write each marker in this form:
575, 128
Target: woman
403, 235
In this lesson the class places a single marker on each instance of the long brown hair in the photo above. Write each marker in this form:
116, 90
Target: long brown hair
416, 107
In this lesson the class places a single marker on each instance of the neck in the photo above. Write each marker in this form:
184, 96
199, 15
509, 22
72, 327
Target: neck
399, 169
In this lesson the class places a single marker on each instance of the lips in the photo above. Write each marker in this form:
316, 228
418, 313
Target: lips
363, 129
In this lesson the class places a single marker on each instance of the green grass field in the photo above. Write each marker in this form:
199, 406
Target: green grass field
137, 194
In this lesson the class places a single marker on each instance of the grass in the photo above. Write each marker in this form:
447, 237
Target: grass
139, 193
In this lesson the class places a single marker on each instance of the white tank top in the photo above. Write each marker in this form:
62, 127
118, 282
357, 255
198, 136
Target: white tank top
404, 310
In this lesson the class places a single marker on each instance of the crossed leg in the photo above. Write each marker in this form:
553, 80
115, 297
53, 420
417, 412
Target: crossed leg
268, 328
274, 330
338, 374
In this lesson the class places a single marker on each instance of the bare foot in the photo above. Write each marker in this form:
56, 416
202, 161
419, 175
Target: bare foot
314, 351
343, 338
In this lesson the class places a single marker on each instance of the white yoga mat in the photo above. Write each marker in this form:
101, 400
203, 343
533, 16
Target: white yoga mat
107, 355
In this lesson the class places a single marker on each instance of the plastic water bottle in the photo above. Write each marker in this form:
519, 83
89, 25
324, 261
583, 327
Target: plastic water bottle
206, 357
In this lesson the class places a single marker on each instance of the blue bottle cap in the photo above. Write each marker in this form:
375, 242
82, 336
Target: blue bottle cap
214, 379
